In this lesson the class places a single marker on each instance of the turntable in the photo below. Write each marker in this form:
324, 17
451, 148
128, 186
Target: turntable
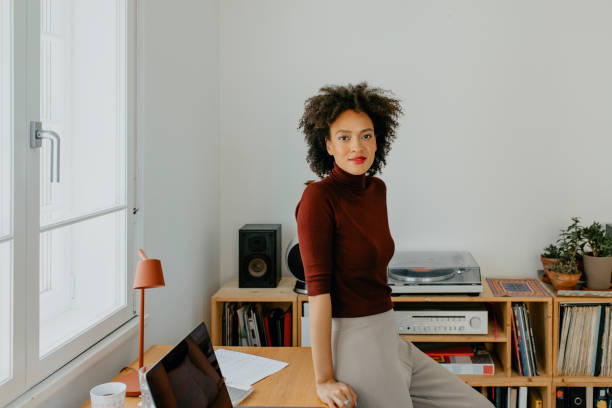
436, 272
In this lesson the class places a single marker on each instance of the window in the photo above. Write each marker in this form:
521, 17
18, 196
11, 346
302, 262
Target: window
66, 232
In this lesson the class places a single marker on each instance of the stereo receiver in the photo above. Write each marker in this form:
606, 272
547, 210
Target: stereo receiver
441, 319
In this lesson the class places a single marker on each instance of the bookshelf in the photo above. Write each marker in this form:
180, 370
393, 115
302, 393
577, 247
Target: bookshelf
282, 296
572, 381
498, 341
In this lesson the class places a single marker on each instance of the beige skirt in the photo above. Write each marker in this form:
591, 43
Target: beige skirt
388, 371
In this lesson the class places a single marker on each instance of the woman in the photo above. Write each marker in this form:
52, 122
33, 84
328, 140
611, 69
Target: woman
346, 245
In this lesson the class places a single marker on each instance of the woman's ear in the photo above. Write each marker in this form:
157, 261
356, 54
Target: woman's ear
327, 145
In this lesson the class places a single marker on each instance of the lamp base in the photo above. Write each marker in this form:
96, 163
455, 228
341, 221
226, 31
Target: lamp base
132, 383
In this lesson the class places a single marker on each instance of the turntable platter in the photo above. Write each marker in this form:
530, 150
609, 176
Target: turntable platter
421, 274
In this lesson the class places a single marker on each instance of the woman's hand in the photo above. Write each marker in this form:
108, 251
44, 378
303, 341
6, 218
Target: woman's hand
334, 393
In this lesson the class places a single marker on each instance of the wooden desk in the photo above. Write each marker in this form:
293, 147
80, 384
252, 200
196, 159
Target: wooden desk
293, 385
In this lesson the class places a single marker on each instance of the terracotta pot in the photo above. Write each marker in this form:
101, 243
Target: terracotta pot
563, 280
598, 271
547, 263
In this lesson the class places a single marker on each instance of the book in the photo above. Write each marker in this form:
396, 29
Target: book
533, 348
235, 341
259, 313
276, 326
565, 321
439, 353
480, 363
516, 355
522, 397
513, 397
498, 397
508, 398
287, 329
224, 324
526, 339
242, 327
584, 339
253, 331
267, 327
521, 342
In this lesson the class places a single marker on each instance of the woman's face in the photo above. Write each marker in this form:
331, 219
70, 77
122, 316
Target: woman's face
352, 141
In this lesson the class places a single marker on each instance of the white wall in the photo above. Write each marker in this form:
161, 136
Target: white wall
180, 175
505, 135
181, 161
507, 125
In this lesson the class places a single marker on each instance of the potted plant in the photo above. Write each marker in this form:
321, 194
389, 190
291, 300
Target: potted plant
564, 274
571, 243
549, 257
598, 262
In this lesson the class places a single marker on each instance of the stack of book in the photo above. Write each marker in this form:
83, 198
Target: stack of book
461, 358
583, 397
524, 356
254, 325
513, 397
585, 339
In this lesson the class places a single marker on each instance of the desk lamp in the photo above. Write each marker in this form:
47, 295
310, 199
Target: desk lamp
148, 275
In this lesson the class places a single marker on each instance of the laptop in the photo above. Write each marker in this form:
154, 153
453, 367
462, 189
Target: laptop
189, 376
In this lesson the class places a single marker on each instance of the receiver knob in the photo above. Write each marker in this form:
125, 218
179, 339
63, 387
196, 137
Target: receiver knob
475, 322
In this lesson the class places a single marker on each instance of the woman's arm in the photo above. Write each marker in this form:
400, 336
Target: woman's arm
330, 391
320, 336
316, 223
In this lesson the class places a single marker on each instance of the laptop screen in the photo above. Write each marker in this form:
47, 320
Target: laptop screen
189, 375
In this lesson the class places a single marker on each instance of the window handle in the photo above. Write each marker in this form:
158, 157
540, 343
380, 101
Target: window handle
37, 134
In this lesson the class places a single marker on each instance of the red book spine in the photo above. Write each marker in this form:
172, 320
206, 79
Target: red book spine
268, 338
287, 329
451, 351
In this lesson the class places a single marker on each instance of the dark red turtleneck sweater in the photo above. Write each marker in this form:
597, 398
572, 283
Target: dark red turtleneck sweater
345, 242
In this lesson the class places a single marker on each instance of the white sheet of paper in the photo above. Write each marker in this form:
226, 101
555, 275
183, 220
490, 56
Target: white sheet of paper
246, 369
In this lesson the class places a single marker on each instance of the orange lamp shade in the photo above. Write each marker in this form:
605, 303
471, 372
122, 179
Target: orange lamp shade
149, 274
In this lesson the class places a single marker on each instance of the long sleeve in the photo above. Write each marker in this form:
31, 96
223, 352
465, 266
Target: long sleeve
345, 242
315, 226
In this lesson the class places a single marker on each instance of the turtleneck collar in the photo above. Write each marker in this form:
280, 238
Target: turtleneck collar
355, 182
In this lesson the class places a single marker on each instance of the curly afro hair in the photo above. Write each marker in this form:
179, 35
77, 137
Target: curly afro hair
321, 110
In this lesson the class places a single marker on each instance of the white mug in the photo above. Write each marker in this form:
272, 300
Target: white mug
108, 395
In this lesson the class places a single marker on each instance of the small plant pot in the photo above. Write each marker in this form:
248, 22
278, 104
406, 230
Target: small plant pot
547, 263
563, 280
598, 271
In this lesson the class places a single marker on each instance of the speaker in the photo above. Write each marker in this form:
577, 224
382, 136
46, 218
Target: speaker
259, 255
293, 260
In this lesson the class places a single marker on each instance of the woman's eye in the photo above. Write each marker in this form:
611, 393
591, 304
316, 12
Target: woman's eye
343, 138
368, 136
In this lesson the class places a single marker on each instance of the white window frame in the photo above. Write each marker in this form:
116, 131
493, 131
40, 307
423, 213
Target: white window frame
27, 369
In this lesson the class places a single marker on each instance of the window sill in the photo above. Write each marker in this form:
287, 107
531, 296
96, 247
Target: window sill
79, 364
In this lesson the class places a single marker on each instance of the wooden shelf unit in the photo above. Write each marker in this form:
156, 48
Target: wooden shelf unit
572, 381
281, 296
540, 308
